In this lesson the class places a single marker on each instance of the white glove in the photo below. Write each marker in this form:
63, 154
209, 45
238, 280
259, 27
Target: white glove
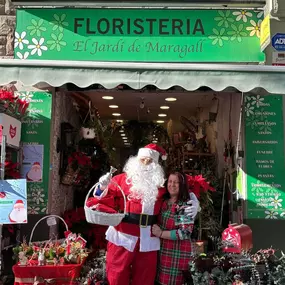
194, 207
106, 179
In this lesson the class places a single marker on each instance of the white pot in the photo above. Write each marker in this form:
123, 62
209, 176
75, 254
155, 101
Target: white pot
88, 133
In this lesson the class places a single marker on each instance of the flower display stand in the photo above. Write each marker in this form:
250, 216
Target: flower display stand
38, 272
41, 275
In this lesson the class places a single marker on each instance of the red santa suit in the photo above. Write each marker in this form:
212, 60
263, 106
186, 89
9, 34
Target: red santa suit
132, 249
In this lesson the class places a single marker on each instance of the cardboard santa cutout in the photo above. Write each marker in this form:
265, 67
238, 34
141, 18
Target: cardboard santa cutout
19, 213
35, 174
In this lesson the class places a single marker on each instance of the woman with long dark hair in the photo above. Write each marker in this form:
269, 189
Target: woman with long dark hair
174, 229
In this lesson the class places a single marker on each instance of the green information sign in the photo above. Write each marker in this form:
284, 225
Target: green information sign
139, 35
265, 162
36, 129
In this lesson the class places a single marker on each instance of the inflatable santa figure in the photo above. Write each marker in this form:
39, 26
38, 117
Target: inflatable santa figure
132, 249
35, 174
19, 213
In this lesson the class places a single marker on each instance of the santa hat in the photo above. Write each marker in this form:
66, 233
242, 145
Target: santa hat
37, 163
19, 204
153, 151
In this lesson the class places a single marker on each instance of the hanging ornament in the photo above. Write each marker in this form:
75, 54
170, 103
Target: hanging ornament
214, 109
142, 104
88, 133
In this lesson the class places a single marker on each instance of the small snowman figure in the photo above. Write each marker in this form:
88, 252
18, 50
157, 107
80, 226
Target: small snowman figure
41, 258
23, 259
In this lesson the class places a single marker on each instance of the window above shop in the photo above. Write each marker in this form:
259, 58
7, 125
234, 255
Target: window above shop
139, 3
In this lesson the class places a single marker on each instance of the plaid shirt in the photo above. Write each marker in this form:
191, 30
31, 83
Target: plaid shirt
174, 255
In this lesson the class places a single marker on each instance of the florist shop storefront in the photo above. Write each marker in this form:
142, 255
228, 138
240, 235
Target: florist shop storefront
158, 50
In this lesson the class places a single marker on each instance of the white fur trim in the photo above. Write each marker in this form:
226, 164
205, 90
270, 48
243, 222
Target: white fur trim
146, 152
121, 239
147, 242
164, 157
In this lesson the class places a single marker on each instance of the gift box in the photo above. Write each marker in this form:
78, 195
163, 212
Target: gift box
11, 128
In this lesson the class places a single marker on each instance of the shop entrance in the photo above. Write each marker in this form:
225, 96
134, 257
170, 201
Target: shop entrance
199, 131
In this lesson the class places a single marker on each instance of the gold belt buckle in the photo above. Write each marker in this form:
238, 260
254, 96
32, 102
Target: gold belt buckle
146, 221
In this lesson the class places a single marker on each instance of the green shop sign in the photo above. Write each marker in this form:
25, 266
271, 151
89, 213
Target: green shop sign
139, 35
265, 161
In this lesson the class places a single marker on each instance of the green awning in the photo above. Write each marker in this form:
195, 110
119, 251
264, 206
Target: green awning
218, 77
135, 3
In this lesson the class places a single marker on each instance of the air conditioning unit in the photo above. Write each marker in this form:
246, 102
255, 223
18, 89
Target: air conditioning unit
276, 8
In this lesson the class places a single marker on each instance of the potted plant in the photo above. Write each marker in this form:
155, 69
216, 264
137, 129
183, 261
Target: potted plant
88, 130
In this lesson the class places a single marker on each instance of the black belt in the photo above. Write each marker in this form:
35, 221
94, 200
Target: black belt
143, 220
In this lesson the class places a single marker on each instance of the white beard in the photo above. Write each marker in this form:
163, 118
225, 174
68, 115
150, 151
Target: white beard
19, 216
145, 180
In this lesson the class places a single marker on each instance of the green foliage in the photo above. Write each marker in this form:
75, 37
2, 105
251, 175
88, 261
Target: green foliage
220, 268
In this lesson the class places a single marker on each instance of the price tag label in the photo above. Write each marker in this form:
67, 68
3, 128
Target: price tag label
51, 221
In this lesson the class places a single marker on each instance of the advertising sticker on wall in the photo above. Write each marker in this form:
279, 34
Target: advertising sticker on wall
265, 160
36, 128
13, 201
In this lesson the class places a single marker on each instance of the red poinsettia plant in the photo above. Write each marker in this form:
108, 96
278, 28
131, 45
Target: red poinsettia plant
198, 185
79, 159
12, 170
12, 104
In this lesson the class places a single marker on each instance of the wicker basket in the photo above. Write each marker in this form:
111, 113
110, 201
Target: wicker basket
101, 218
50, 216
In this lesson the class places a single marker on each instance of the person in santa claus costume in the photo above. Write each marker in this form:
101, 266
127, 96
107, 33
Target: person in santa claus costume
132, 248
19, 213
35, 174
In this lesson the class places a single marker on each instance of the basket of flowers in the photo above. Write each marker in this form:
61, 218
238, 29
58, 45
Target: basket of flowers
98, 213
59, 260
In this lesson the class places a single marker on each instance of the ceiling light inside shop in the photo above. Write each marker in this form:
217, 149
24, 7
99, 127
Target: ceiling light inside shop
164, 107
116, 114
119, 121
170, 99
123, 135
113, 106
160, 122
162, 115
121, 131
107, 97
